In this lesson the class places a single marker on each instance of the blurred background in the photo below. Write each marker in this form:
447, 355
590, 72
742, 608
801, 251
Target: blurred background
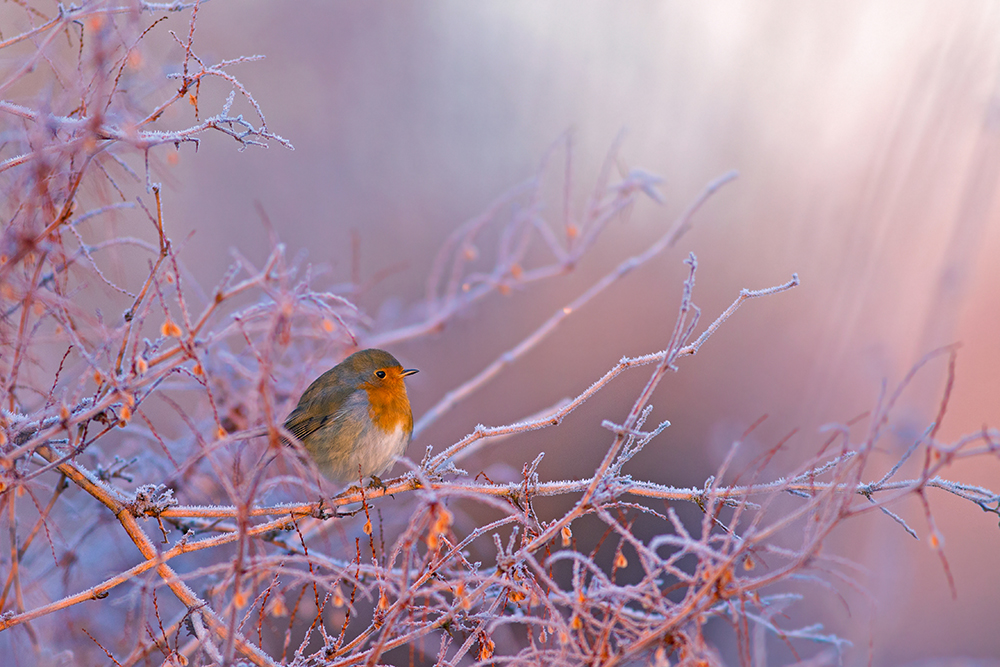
867, 139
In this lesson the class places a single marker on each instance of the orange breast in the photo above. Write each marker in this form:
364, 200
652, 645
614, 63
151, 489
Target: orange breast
389, 407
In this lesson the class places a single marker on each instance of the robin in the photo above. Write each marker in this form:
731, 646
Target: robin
355, 419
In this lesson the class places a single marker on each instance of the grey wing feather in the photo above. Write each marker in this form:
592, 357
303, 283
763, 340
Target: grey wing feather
302, 427
325, 391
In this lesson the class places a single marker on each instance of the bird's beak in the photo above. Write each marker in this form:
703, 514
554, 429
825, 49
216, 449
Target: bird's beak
409, 371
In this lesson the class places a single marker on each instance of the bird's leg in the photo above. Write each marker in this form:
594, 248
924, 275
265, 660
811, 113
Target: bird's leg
376, 483
322, 513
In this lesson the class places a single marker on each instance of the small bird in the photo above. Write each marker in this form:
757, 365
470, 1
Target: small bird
355, 419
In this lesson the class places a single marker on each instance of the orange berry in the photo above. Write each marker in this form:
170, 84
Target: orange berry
276, 606
169, 329
240, 599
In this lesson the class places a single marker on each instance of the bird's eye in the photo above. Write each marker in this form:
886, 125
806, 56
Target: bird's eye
380, 375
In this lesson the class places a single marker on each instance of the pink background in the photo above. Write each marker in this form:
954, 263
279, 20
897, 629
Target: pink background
867, 137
